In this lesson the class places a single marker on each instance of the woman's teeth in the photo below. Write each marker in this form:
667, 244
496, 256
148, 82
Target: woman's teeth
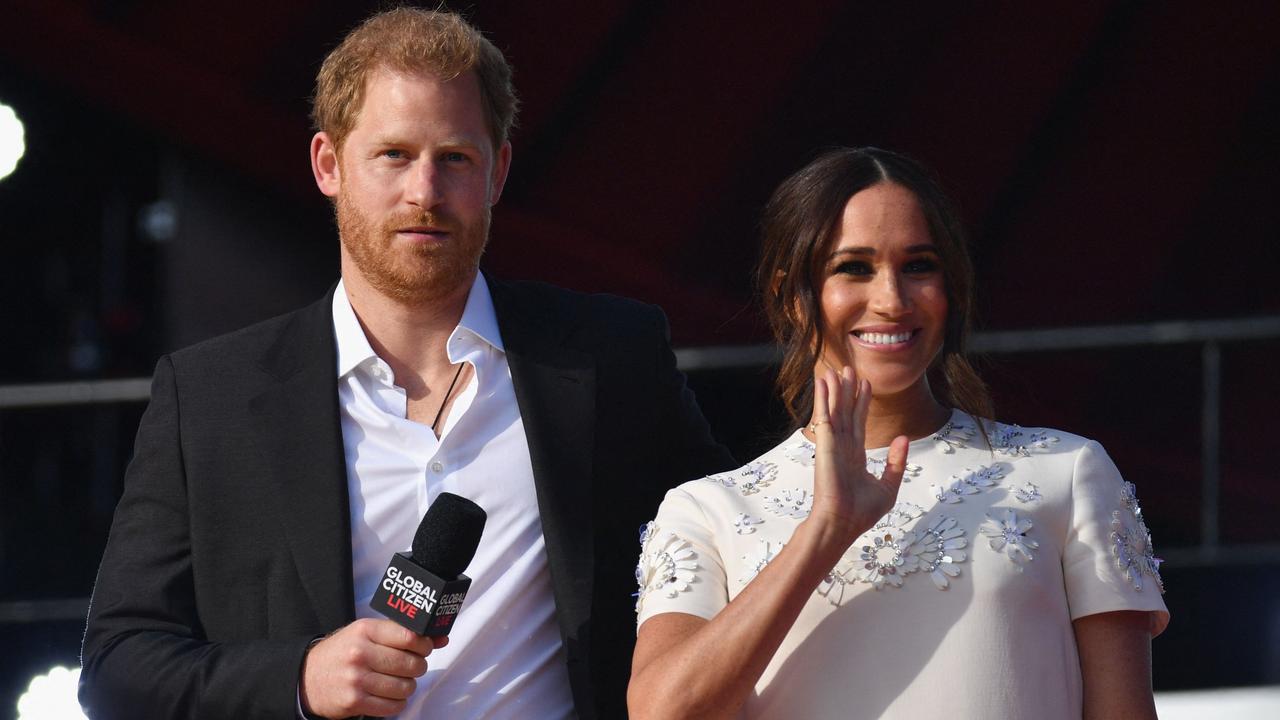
884, 338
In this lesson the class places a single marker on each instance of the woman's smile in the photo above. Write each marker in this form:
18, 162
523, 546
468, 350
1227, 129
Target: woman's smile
884, 302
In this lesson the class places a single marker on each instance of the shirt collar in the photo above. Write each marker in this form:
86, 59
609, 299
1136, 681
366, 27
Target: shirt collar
353, 346
478, 317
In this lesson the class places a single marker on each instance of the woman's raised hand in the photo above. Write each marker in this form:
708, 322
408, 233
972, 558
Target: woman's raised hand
847, 498
686, 666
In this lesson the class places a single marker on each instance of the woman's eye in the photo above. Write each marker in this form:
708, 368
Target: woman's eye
853, 267
921, 265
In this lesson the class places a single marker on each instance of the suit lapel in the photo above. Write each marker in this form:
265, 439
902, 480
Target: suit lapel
300, 440
555, 389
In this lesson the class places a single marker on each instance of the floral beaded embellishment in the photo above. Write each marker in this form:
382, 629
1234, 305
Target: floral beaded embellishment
765, 552
884, 557
1028, 493
952, 436
667, 563
900, 515
986, 476
954, 492
971, 482
1129, 496
803, 452
1016, 441
745, 524
1009, 534
895, 552
876, 466
791, 503
833, 585
890, 551
938, 549
749, 479
1131, 546
883, 548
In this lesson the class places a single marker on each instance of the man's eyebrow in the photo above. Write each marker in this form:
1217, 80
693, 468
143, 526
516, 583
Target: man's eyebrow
459, 141
378, 144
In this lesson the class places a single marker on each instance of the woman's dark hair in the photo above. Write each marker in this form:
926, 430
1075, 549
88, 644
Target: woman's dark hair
799, 225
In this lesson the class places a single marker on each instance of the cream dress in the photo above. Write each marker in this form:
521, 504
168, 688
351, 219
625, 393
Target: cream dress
957, 604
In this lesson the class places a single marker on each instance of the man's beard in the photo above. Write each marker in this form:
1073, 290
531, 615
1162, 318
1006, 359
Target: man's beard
411, 273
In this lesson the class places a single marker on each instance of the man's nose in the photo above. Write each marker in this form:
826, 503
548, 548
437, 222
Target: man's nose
424, 186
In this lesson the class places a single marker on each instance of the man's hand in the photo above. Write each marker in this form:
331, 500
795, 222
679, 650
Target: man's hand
366, 668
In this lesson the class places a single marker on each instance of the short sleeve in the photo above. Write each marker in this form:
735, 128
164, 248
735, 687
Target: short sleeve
680, 568
1108, 561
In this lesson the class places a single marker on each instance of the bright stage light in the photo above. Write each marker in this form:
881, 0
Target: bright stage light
12, 140
52, 697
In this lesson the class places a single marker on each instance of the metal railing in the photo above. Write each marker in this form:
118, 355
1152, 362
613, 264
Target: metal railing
85, 392
1210, 335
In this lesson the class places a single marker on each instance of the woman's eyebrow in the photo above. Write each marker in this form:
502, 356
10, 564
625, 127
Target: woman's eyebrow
864, 250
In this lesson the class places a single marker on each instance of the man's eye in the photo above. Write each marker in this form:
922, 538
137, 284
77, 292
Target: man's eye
394, 154
455, 157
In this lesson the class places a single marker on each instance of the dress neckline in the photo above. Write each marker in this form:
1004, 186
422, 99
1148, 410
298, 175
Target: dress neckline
958, 420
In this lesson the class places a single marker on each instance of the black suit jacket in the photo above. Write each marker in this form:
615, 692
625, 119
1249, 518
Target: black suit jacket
231, 546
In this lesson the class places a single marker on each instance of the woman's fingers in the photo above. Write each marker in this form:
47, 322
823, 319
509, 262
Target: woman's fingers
841, 400
840, 410
833, 406
860, 409
844, 489
895, 465
821, 411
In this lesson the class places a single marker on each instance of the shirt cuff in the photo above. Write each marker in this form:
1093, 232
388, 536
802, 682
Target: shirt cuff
303, 714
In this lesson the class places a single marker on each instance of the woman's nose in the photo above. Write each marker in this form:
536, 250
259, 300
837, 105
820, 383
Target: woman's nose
888, 296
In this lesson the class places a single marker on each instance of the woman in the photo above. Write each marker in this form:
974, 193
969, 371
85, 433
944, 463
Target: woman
899, 556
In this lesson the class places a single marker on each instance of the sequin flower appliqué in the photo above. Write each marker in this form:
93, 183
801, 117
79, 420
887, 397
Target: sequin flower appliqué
749, 479
900, 544
805, 453
668, 563
1131, 541
952, 436
970, 482
1016, 441
1008, 534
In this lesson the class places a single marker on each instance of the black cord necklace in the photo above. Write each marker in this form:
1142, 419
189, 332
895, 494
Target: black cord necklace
445, 401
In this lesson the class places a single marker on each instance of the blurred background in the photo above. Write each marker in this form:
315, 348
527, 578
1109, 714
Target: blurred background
1117, 165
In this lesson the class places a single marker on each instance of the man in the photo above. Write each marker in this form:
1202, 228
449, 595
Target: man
278, 468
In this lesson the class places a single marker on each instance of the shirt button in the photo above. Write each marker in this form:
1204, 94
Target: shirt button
437, 466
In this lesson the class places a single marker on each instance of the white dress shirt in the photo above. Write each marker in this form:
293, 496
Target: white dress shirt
504, 658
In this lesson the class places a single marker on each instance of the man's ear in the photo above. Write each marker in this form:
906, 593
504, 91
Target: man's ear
501, 166
325, 165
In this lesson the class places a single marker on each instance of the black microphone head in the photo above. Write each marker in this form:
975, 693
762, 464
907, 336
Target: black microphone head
448, 535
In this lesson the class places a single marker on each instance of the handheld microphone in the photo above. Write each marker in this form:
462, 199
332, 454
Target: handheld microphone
423, 591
